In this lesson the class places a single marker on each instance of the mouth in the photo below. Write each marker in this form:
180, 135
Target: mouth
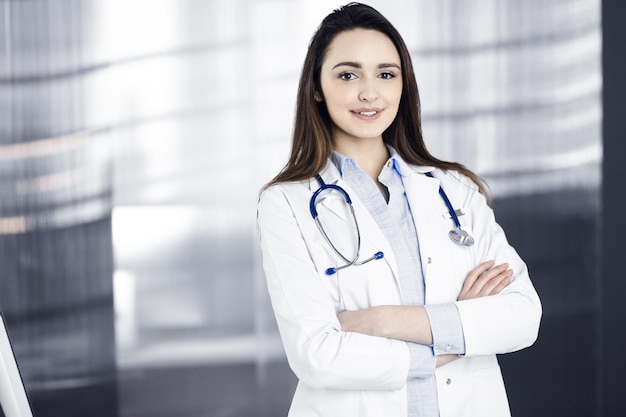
367, 114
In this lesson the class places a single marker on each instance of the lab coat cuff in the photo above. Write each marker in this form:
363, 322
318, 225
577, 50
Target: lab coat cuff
447, 330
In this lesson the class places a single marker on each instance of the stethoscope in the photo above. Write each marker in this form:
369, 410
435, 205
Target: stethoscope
457, 234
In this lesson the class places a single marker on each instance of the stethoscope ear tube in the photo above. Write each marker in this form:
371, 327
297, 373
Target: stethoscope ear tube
327, 239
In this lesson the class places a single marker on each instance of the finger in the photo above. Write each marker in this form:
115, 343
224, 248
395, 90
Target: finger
475, 273
503, 284
486, 278
496, 284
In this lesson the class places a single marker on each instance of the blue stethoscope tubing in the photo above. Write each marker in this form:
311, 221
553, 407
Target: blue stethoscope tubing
457, 234
348, 200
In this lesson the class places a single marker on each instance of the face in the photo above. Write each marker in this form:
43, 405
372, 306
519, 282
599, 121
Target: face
361, 81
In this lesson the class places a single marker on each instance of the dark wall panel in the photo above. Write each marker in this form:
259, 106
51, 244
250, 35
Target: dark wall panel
613, 336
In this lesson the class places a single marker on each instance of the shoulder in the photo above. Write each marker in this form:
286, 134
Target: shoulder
455, 178
283, 190
285, 197
463, 190
300, 189
458, 187
450, 178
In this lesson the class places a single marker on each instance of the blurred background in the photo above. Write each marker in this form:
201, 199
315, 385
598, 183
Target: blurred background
135, 135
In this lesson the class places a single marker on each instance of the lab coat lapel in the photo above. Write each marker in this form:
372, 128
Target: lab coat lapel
423, 196
367, 225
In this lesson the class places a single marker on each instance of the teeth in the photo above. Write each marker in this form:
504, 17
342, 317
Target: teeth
368, 113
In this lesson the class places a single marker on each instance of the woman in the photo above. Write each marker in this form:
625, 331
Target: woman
412, 326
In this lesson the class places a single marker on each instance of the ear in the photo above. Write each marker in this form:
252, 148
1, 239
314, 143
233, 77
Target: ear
317, 96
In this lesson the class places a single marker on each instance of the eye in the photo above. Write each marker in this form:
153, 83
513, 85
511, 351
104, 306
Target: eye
347, 76
387, 75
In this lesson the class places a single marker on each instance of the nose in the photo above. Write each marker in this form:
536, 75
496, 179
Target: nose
368, 93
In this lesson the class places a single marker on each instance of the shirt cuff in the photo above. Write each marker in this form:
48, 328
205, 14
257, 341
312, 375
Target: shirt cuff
447, 330
422, 362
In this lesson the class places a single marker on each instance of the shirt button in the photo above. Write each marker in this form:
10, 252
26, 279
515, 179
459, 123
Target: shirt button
448, 381
448, 348
430, 260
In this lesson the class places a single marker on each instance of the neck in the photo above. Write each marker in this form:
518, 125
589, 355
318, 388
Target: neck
369, 155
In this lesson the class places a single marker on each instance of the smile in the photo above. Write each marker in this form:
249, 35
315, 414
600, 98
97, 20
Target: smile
367, 114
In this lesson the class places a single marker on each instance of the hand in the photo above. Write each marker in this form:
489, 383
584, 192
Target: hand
486, 279
362, 321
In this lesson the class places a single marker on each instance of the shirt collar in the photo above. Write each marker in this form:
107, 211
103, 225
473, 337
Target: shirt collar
343, 162
340, 160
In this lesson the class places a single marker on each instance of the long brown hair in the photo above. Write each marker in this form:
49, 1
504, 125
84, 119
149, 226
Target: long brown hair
312, 137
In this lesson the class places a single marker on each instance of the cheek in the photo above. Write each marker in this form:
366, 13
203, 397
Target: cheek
336, 95
395, 94
334, 111
336, 104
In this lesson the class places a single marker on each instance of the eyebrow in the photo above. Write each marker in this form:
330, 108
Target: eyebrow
358, 65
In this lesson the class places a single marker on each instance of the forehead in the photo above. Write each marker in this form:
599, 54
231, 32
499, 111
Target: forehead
363, 46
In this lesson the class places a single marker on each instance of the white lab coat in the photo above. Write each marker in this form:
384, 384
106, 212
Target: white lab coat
350, 374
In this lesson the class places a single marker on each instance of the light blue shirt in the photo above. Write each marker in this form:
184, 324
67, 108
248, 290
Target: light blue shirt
396, 221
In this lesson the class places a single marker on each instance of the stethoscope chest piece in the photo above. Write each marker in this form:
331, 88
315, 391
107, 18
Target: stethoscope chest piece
461, 237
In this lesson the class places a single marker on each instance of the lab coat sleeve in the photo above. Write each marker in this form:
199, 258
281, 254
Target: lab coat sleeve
508, 321
319, 353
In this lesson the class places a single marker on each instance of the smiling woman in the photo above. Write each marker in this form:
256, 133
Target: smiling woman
416, 332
